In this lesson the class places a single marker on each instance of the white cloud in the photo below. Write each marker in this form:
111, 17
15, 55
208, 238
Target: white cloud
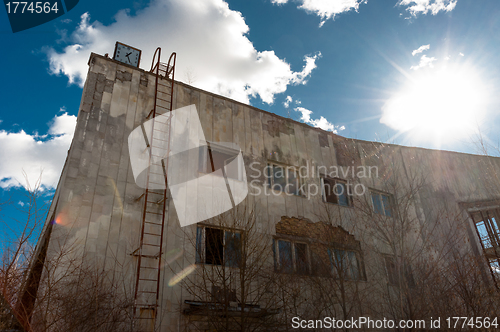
210, 40
326, 9
287, 101
461, 54
21, 152
421, 49
416, 7
424, 62
319, 123
21, 203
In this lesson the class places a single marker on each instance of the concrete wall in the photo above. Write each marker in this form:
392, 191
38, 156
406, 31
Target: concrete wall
98, 206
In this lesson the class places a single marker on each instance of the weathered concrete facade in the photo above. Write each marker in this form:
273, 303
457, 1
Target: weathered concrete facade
97, 207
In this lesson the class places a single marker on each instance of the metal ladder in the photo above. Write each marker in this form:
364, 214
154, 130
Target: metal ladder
149, 253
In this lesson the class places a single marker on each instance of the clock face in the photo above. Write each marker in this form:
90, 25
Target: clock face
127, 54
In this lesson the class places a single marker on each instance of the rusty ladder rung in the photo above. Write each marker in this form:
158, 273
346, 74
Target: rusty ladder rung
149, 222
152, 234
163, 94
148, 267
147, 279
151, 245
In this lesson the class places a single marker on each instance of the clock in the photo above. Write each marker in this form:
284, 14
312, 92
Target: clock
127, 54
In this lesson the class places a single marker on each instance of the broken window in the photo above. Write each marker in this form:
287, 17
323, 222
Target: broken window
495, 268
487, 228
488, 231
217, 246
382, 203
317, 249
290, 257
336, 191
285, 178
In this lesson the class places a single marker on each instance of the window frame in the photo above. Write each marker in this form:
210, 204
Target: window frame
360, 271
201, 246
394, 277
269, 174
293, 251
336, 181
489, 237
204, 155
383, 208
494, 265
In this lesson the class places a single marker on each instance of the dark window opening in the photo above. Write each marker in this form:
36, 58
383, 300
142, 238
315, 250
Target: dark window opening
214, 246
221, 247
336, 192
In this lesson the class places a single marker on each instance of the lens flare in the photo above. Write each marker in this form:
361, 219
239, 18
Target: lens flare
62, 218
173, 255
439, 104
181, 275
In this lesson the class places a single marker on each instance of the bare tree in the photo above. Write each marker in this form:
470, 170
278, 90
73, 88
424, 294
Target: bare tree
232, 287
419, 238
56, 293
17, 250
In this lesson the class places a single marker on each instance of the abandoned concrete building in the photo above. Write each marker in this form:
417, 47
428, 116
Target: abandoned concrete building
315, 225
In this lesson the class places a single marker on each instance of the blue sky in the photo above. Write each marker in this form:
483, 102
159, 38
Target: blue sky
421, 73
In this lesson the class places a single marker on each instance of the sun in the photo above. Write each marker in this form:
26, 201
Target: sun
438, 104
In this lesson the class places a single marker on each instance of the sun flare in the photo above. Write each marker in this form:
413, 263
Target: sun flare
438, 104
